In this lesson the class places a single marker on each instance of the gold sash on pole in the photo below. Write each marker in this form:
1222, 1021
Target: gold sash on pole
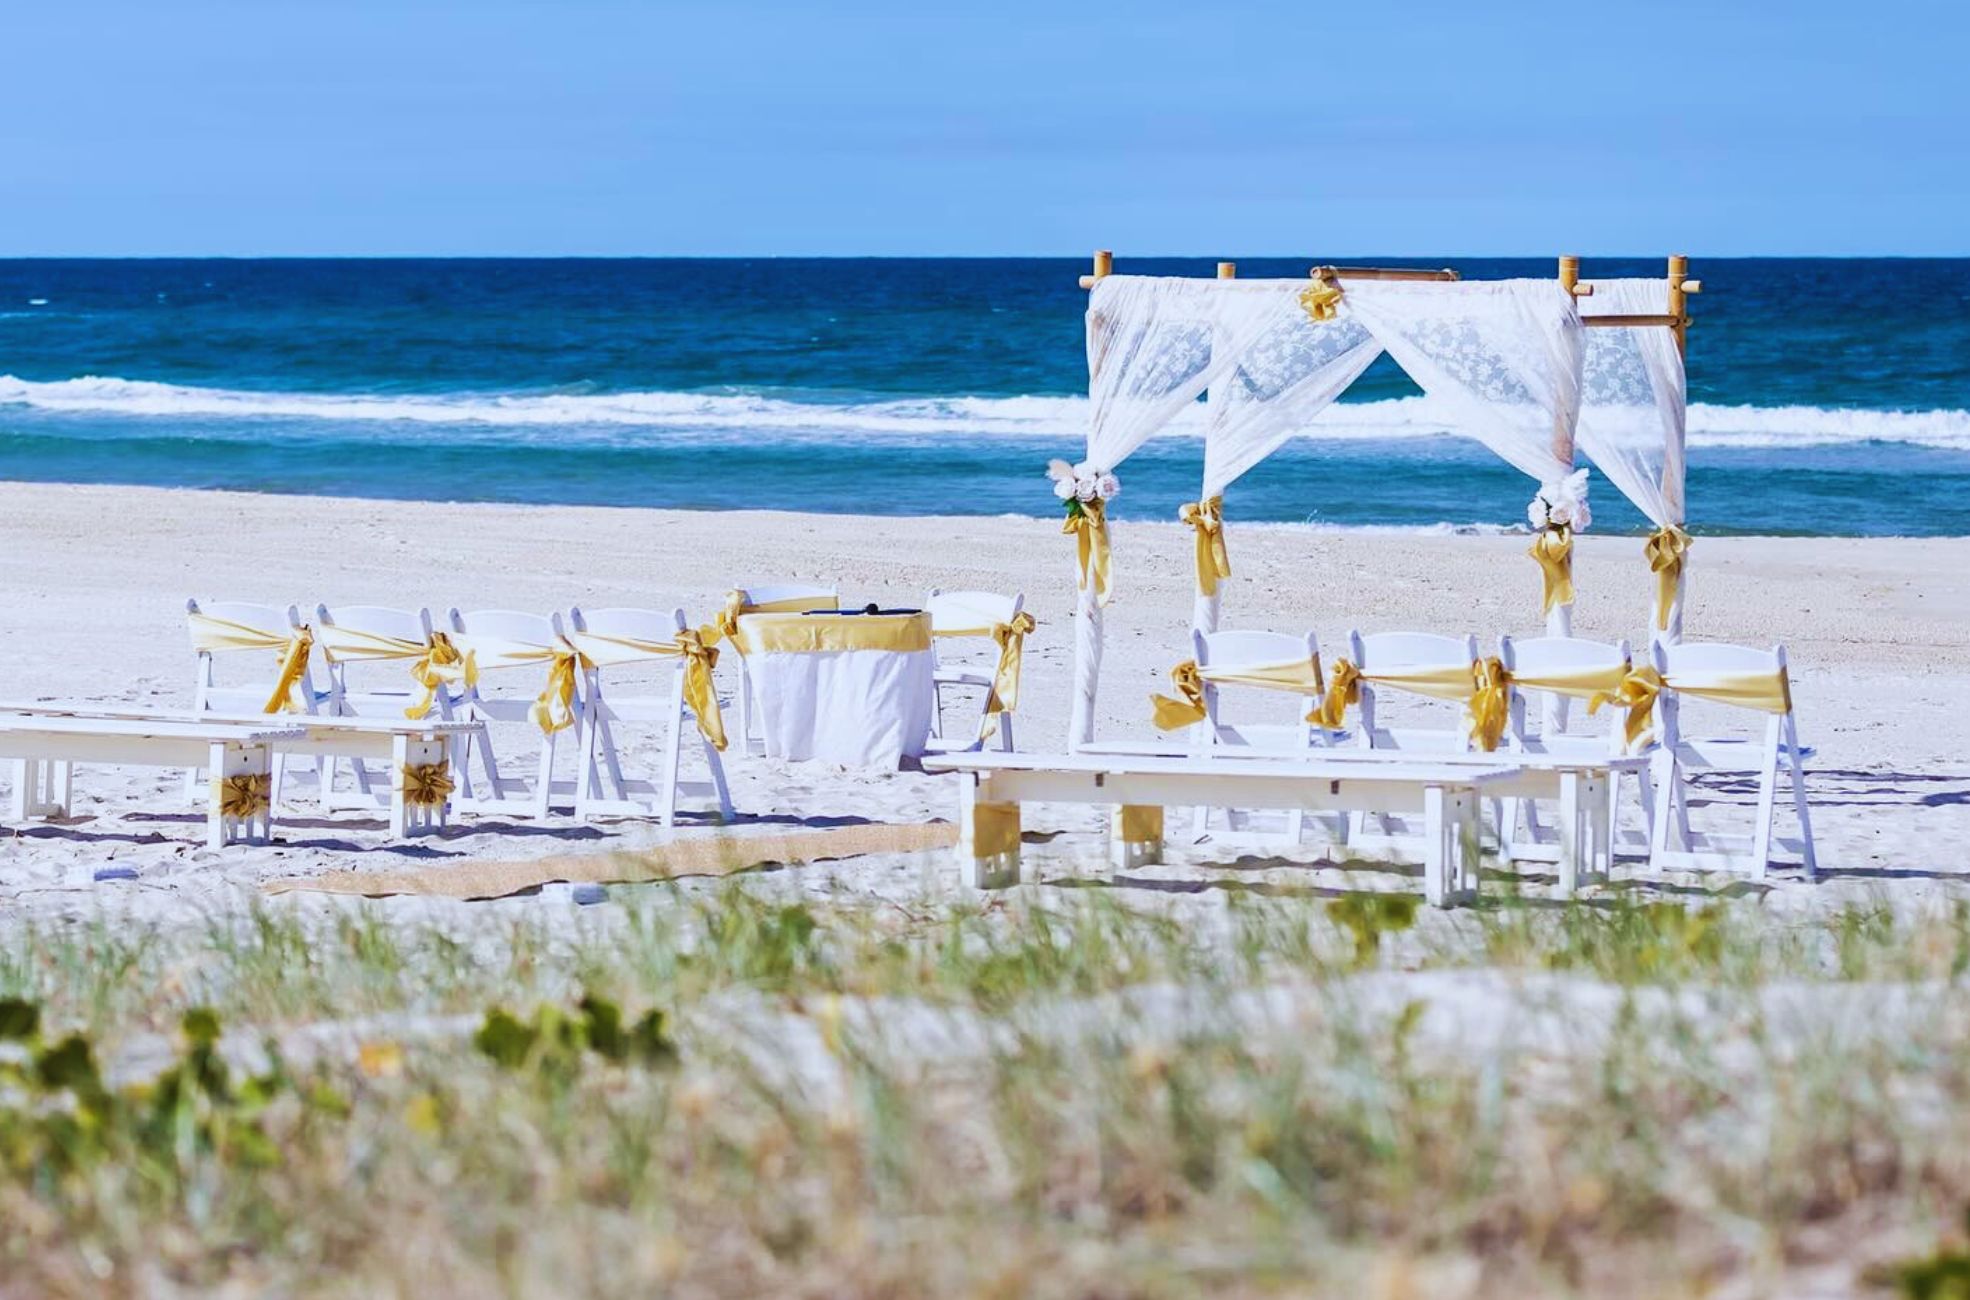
1553, 549
599, 651
217, 635
1297, 676
1094, 564
1665, 549
1213, 561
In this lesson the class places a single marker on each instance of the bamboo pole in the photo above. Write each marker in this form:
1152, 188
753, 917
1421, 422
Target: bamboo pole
1227, 270
1104, 264
1204, 609
1087, 609
1381, 273
1679, 270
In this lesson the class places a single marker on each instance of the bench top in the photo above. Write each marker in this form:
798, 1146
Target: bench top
161, 727
296, 723
1563, 760
1316, 766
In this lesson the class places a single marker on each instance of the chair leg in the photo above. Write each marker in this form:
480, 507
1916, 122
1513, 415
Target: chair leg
1665, 792
1005, 733
673, 751
1799, 807
544, 782
716, 763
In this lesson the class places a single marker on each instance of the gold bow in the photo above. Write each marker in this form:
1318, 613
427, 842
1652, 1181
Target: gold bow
1665, 550
1636, 694
1213, 561
441, 664
1343, 689
1004, 695
1188, 708
1321, 299
1490, 705
554, 708
1089, 526
293, 664
699, 660
725, 623
244, 797
1553, 548
426, 785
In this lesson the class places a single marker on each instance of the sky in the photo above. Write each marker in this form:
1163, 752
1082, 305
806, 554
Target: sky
1487, 127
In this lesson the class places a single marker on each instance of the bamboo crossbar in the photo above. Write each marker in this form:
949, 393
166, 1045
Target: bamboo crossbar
1382, 273
1633, 321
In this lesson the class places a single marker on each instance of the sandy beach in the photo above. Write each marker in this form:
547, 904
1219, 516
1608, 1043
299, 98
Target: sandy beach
1878, 632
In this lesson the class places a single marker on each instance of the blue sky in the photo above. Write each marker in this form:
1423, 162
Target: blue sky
1483, 127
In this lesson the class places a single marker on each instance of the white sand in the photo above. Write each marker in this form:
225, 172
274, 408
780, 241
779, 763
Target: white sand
91, 608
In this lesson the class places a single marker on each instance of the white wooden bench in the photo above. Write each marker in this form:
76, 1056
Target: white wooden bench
1140, 787
44, 747
1579, 781
406, 744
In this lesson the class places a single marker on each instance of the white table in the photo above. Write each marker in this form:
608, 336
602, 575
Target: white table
402, 742
995, 785
1578, 780
854, 689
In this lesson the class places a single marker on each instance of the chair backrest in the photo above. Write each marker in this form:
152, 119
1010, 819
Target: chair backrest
507, 625
1548, 655
634, 624
1237, 649
378, 620
269, 617
953, 612
772, 593
1392, 651
1704, 657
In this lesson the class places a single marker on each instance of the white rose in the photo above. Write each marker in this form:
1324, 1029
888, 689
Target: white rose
1059, 470
1087, 488
1536, 513
1085, 469
1583, 518
1063, 488
1562, 514
1110, 486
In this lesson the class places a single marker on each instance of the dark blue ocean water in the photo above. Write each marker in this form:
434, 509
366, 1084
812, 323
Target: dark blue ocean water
1827, 395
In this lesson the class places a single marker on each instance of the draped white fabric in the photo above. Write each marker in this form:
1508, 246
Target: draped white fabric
1155, 343
1290, 374
1501, 358
1632, 400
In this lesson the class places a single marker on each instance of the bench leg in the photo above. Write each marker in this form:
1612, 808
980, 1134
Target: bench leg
408, 818
1572, 832
988, 838
1136, 836
42, 788
229, 761
1450, 846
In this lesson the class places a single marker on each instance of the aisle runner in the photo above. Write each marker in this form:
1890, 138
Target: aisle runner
715, 855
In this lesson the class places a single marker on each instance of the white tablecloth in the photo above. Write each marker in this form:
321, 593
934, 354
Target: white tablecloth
823, 691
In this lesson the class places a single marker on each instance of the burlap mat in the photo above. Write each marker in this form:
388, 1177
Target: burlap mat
710, 855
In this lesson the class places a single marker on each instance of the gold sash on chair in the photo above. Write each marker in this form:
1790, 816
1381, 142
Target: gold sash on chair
217, 635
1004, 695
1213, 561
435, 662
1094, 563
1483, 689
599, 651
1297, 676
554, 708
1767, 692
724, 624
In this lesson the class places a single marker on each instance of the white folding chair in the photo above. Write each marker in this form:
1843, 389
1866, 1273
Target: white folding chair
1716, 674
273, 624
1397, 654
1229, 652
1571, 668
387, 643
966, 615
520, 648
609, 639
774, 597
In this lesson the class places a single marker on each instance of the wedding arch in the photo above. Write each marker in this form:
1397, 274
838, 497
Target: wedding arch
1513, 363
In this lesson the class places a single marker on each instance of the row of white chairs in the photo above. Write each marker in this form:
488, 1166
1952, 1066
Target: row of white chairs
354, 688
1674, 754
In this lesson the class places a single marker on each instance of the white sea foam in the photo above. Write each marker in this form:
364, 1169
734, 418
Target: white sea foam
1039, 417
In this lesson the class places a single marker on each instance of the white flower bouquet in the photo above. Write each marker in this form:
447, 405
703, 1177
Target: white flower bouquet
1561, 505
1082, 485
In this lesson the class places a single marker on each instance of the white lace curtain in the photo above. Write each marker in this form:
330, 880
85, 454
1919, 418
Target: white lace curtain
1501, 358
1633, 404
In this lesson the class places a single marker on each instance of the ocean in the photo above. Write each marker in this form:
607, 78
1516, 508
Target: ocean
1827, 396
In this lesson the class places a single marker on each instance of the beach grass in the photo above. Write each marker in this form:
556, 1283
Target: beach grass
744, 1090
